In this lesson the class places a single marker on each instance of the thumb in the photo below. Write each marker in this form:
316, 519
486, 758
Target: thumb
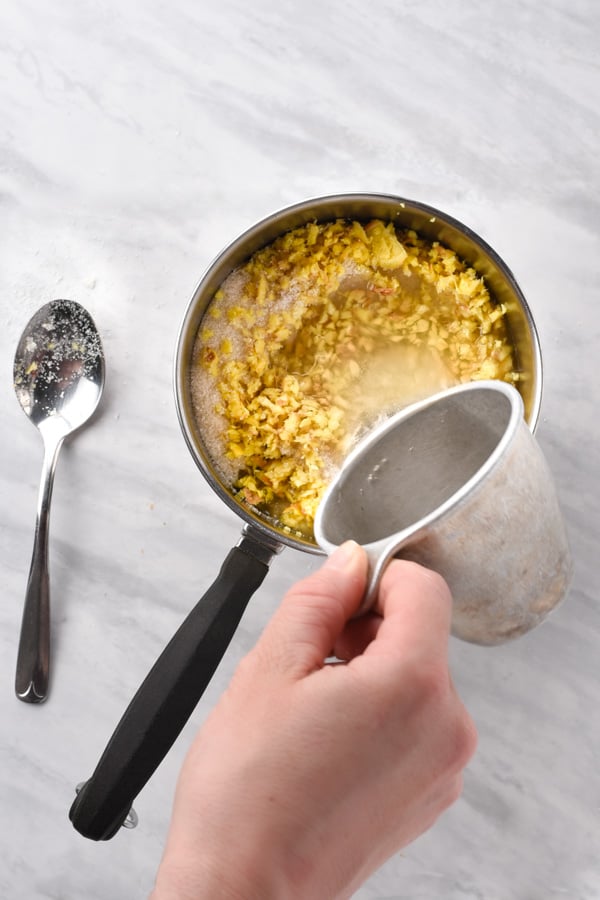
314, 611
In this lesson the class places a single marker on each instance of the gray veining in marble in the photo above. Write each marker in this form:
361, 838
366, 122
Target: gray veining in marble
135, 141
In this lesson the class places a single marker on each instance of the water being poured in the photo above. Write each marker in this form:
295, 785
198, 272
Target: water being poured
392, 377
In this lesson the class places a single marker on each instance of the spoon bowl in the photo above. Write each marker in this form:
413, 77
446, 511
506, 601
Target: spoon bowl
58, 377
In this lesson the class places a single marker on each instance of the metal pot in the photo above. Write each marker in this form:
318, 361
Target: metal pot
178, 679
427, 221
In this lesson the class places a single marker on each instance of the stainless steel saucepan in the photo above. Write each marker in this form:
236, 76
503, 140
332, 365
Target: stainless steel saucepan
170, 692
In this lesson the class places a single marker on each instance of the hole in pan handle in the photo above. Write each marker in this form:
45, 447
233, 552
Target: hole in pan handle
170, 692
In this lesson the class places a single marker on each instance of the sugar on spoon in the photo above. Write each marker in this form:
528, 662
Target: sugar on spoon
58, 378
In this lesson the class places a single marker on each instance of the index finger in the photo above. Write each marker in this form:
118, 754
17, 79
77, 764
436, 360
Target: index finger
416, 608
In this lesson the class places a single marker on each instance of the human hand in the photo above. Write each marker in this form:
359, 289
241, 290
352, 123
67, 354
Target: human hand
306, 777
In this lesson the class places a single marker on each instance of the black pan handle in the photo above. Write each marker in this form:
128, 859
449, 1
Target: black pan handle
168, 695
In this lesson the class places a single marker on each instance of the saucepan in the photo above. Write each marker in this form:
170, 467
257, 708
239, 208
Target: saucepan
170, 692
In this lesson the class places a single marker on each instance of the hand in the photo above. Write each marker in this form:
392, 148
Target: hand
306, 777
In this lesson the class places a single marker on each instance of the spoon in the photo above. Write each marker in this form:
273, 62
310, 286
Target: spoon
58, 377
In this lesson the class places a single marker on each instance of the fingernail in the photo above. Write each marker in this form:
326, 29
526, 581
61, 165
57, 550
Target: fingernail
343, 556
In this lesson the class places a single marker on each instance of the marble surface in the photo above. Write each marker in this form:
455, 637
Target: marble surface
137, 140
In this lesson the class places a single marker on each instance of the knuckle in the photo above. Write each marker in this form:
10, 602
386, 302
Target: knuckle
315, 601
461, 740
424, 582
429, 682
434, 581
434, 695
422, 574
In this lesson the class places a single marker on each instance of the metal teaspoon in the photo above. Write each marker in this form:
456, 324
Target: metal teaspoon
58, 377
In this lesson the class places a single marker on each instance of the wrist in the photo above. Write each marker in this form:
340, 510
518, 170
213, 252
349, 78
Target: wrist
226, 877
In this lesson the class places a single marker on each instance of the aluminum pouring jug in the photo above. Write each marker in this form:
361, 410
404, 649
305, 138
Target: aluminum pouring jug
458, 483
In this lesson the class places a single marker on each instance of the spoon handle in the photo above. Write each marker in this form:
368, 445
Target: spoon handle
33, 658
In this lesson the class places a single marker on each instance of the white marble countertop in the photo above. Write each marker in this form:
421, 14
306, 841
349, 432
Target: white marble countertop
137, 140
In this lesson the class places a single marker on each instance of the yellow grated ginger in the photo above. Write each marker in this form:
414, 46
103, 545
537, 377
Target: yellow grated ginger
318, 335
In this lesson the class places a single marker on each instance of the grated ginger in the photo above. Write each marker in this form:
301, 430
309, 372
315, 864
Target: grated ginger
321, 333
